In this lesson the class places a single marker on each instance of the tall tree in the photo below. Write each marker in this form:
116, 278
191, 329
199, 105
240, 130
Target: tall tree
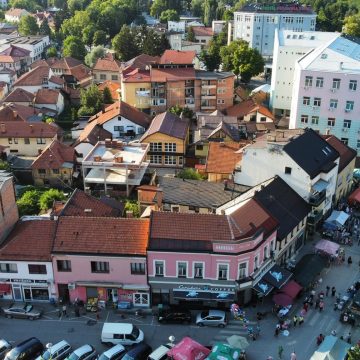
51, 52
352, 25
91, 101
169, 15
74, 47
95, 53
28, 26
157, 7
88, 34
210, 7
125, 45
107, 98
44, 28
99, 38
190, 35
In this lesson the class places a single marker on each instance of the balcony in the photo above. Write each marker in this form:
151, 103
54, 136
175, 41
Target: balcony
207, 107
142, 93
317, 198
208, 96
208, 86
314, 217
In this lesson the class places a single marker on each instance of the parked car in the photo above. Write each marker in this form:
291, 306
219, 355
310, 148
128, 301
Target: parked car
139, 352
160, 352
85, 352
22, 311
29, 349
4, 348
175, 316
211, 318
115, 353
58, 351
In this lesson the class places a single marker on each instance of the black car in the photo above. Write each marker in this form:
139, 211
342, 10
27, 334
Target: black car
139, 352
175, 316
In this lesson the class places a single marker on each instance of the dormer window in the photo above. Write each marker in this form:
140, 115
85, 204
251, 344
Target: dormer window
45, 80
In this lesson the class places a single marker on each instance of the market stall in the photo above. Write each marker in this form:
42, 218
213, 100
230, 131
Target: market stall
336, 220
188, 348
327, 247
331, 348
221, 351
354, 198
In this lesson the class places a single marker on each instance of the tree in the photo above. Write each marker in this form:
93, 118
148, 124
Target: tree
91, 101
95, 53
4, 165
353, 353
125, 45
197, 8
74, 47
88, 34
132, 206
157, 7
190, 36
150, 42
242, 60
28, 204
352, 25
99, 38
210, 7
176, 109
44, 28
189, 173
48, 197
169, 15
74, 5
107, 98
51, 52
211, 56
28, 26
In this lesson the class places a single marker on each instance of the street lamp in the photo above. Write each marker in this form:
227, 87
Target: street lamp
172, 339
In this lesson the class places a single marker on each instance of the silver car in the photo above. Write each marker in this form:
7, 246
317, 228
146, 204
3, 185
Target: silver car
211, 318
85, 352
22, 311
4, 348
58, 351
117, 352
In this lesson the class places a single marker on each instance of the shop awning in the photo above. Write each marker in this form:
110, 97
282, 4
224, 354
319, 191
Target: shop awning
99, 284
308, 268
203, 295
292, 289
331, 348
282, 299
5, 288
277, 276
337, 218
135, 287
328, 247
188, 348
263, 287
320, 185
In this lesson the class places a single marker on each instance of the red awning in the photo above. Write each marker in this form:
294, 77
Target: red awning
282, 299
292, 288
5, 288
354, 197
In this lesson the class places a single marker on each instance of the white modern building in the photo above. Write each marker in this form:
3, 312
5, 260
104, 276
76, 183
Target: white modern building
326, 91
290, 46
176, 26
256, 23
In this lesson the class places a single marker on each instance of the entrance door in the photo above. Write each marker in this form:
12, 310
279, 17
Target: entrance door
141, 299
17, 292
27, 293
63, 290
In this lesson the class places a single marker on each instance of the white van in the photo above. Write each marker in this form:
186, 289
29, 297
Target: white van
121, 333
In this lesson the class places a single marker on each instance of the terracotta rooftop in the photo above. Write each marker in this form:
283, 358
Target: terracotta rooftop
54, 156
8, 59
65, 63
119, 236
120, 108
57, 80
172, 74
47, 96
84, 205
112, 86
168, 124
136, 76
20, 95
30, 130
141, 62
177, 57
15, 12
246, 107
107, 63
29, 241
11, 112
93, 133
223, 157
203, 31
34, 77
80, 72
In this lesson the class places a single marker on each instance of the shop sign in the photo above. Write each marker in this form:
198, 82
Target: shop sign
203, 295
206, 288
28, 281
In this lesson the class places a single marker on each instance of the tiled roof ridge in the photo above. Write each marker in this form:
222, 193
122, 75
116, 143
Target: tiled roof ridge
107, 218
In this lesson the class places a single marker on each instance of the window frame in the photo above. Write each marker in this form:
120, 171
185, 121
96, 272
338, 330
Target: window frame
62, 268
96, 269
8, 268
246, 270
178, 275
138, 268
202, 263
218, 271
37, 269
163, 268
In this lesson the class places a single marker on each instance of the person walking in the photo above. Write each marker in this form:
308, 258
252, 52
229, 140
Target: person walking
319, 339
321, 306
64, 310
280, 351
277, 329
328, 287
349, 260
333, 291
317, 302
295, 320
293, 356
301, 320
348, 339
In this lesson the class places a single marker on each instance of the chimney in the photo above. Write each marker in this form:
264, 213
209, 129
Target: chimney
108, 143
159, 199
129, 214
225, 184
119, 145
3, 128
119, 159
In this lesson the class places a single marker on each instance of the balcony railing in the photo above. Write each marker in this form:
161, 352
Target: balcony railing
315, 217
317, 198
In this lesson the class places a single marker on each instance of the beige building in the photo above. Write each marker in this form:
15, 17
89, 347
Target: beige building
106, 68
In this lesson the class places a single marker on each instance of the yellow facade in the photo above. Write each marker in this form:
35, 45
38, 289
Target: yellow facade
51, 177
136, 94
26, 146
344, 181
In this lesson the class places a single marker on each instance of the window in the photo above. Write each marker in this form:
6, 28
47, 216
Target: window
349, 106
56, 171
319, 82
159, 268
181, 269
333, 104
199, 147
344, 140
331, 122
336, 84
100, 267
137, 268
8, 268
170, 160
170, 147
102, 76
308, 80
16, 141
263, 118
317, 101
347, 124
120, 129
306, 100
304, 119
37, 269
315, 120
256, 262
40, 141
287, 170
358, 144
223, 272
353, 85
114, 77
265, 252
155, 159
242, 270
220, 101
181, 161
199, 270
42, 171
26, 141
156, 147
63, 265
10, 140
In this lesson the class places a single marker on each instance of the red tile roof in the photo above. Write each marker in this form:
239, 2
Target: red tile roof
30, 130
222, 157
203, 31
175, 74
168, 124
136, 76
33, 77
246, 107
8, 59
112, 86
29, 241
81, 72
16, 12
15, 112
141, 62
15, 51
120, 108
57, 80
65, 63
93, 133
84, 205
107, 63
54, 156
47, 96
101, 236
19, 95
177, 57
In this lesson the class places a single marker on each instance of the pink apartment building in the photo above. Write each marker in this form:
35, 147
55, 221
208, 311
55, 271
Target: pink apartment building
210, 259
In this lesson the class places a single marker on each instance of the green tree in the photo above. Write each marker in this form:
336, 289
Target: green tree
189, 173
132, 206
76, 24
211, 56
352, 25
169, 15
242, 60
48, 197
157, 7
28, 204
44, 28
95, 53
91, 101
99, 38
197, 8
107, 98
210, 7
228, 15
150, 42
124, 44
4, 165
88, 34
190, 35
74, 5
176, 109
354, 353
28, 26
51, 52
74, 47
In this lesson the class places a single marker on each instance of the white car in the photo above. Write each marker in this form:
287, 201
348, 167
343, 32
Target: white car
85, 352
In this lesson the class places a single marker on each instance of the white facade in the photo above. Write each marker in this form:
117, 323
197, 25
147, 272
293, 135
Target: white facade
12, 16
177, 26
218, 25
256, 23
116, 127
58, 107
290, 46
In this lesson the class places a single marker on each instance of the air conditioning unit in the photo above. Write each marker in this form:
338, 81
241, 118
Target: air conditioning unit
347, 110
345, 129
71, 286
333, 90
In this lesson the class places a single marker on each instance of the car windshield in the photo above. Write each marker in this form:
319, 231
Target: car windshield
46, 355
73, 356
12, 354
135, 332
103, 357
28, 308
127, 357
204, 314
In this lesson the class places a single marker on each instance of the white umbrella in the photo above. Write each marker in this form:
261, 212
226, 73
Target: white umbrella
238, 342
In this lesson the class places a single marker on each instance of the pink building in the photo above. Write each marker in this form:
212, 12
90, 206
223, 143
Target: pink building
102, 258
210, 259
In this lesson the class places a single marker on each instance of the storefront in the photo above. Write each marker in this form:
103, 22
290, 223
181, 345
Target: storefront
25, 289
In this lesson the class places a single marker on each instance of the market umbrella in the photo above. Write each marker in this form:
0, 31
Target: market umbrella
238, 342
224, 352
282, 299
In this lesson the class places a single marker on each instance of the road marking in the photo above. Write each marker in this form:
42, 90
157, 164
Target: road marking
107, 316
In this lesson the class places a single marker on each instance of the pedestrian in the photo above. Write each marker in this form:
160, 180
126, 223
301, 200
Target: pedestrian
301, 320
333, 291
321, 306
348, 339
319, 339
349, 260
77, 311
277, 329
64, 310
280, 351
333, 332
317, 302
293, 356
328, 287
295, 320
306, 307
